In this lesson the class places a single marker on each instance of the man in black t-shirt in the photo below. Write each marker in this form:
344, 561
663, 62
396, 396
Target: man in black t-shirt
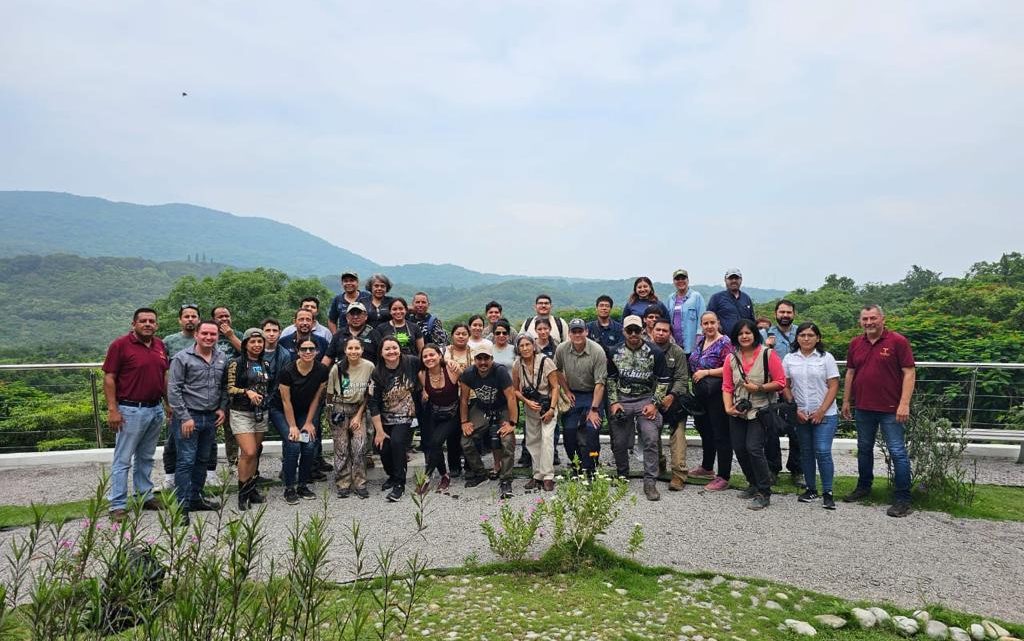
493, 415
355, 327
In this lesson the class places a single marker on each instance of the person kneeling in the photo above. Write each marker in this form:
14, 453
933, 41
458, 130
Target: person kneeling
493, 416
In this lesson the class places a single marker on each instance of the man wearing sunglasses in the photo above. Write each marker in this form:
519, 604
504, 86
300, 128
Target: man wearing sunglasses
638, 380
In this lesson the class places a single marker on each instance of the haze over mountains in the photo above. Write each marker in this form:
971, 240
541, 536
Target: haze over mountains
131, 254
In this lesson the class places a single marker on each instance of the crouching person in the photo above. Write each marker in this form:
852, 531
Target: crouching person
492, 416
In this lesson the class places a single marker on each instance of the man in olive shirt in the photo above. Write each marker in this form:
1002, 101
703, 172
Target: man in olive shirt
582, 370
188, 321
672, 412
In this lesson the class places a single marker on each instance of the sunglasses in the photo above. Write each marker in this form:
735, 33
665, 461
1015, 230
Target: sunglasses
482, 357
185, 306
307, 349
501, 333
632, 329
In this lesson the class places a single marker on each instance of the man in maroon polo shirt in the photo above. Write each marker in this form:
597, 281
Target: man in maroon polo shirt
134, 386
880, 379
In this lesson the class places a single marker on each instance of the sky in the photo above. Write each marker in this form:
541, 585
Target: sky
592, 139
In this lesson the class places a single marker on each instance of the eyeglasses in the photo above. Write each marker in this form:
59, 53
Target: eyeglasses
632, 329
307, 349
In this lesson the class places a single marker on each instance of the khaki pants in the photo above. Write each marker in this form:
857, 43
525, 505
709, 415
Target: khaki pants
540, 441
349, 454
474, 463
677, 450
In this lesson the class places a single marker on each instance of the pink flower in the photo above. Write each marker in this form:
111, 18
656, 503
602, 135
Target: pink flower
193, 538
66, 544
484, 518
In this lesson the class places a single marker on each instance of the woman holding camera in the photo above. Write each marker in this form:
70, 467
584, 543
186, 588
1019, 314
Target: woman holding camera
706, 361
812, 378
440, 384
347, 385
535, 383
248, 379
394, 386
751, 379
300, 387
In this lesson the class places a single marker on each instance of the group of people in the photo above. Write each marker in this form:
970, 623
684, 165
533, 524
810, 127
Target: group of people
384, 367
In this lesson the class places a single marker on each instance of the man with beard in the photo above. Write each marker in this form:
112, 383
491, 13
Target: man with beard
492, 416
188, 321
312, 304
782, 338
672, 411
731, 304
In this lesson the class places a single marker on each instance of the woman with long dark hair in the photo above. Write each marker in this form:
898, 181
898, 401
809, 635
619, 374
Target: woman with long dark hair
751, 379
347, 387
394, 386
710, 351
440, 384
643, 296
248, 382
407, 334
812, 378
300, 388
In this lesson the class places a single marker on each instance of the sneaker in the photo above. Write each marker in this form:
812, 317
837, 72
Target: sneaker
362, 492
827, 501
676, 485
899, 510
759, 502
717, 485
493, 475
651, 491
748, 493
857, 495
395, 494
344, 492
531, 485
505, 490
473, 481
700, 472
204, 505
291, 497
305, 493
388, 484
808, 496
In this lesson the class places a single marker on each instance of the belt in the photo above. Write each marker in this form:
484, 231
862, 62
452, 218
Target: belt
192, 411
124, 401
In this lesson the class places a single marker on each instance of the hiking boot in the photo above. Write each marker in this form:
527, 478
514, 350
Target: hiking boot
808, 496
759, 502
827, 501
305, 493
899, 510
395, 494
700, 472
676, 485
473, 481
291, 497
748, 493
443, 484
362, 492
505, 490
118, 515
549, 485
858, 494
651, 491
531, 485
344, 492
717, 485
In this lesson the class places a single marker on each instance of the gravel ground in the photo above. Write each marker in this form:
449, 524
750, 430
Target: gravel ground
856, 552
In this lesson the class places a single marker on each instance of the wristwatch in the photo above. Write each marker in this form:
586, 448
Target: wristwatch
593, 409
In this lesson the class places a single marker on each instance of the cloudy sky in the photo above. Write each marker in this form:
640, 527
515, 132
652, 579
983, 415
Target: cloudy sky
791, 139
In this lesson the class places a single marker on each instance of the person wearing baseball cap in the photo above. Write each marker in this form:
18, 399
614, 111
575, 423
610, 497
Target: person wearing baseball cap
350, 293
638, 380
685, 307
731, 304
355, 327
492, 416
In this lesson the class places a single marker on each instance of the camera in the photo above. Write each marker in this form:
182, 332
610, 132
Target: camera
493, 425
533, 394
743, 405
304, 437
619, 414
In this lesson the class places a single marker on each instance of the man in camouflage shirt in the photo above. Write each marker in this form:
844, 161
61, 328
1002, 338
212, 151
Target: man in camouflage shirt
638, 380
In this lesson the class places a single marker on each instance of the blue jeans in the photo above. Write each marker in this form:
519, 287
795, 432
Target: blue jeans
193, 456
868, 423
137, 439
816, 447
587, 448
297, 456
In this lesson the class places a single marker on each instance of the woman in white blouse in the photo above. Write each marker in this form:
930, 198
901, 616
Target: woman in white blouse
812, 380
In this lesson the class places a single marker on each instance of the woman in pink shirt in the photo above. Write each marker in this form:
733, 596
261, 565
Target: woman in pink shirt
751, 379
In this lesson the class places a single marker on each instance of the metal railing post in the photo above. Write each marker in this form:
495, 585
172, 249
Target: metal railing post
970, 397
96, 409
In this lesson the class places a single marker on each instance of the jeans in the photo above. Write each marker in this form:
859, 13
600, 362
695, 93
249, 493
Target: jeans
193, 453
587, 448
295, 454
715, 440
748, 438
393, 452
816, 446
650, 436
137, 439
868, 423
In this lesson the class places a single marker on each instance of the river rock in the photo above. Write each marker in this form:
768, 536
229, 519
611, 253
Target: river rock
772, 605
801, 627
977, 632
880, 615
831, 620
993, 630
959, 634
865, 618
936, 630
905, 625
922, 616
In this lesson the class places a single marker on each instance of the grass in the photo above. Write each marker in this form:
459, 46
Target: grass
608, 597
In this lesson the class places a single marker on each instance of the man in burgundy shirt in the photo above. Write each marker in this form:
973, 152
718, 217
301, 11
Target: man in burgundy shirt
133, 384
880, 379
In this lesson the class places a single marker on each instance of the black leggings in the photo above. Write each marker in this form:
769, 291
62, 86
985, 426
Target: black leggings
393, 452
444, 431
713, 428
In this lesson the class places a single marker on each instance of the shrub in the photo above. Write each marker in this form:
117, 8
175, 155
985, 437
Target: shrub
61, 444
517, 531
583, 509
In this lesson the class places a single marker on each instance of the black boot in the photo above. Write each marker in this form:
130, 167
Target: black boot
243, 496
255, 498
